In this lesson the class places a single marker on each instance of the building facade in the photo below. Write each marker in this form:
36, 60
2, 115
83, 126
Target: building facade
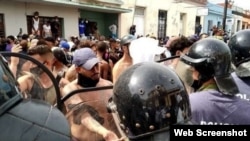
160, 19
241, 19
164, 18
18, 14
215, 18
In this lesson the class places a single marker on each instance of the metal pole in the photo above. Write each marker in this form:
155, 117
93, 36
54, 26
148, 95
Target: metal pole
225, 15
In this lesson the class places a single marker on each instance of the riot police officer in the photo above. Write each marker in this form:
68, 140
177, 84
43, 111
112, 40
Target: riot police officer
148, 98
239, 44
214, 101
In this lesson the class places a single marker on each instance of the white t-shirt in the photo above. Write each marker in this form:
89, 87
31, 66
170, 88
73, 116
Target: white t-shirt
113, 28
35, 23
47, 30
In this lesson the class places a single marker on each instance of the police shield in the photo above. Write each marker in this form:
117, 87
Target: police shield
27, 119
35, 80
183, 70
94, 102
185, 73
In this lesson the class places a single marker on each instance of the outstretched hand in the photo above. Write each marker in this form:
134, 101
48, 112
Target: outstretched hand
111, 136
16, 49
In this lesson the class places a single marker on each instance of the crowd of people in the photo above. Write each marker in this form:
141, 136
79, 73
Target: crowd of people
206, 82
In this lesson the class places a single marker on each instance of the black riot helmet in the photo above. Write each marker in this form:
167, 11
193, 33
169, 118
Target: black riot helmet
149, 97
212, 59
127, 39
239, 44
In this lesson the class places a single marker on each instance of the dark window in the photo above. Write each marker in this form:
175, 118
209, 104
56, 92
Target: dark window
43, 20
162, 24
219, 24
2, 27
238, 25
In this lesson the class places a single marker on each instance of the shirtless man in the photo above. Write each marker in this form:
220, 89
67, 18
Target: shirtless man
105, 69
126, 59
87, 112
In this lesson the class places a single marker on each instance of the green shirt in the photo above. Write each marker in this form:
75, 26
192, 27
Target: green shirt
211, 86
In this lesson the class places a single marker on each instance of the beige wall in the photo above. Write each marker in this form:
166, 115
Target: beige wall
15, 16
151, 16
174, 23
235, 24
246, 22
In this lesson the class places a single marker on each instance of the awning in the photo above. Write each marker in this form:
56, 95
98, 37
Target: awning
85, 6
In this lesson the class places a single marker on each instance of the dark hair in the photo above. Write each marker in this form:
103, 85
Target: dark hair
24, 44
179, 44
25, 36
39, 49
102, 46
112, 40
11, 37
50, 39
36, 13
41, 42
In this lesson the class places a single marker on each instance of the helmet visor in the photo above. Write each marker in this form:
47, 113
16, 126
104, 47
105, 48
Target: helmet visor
191, 61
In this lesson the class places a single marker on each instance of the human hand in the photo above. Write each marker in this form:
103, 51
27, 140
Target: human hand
111, 136
16, 49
